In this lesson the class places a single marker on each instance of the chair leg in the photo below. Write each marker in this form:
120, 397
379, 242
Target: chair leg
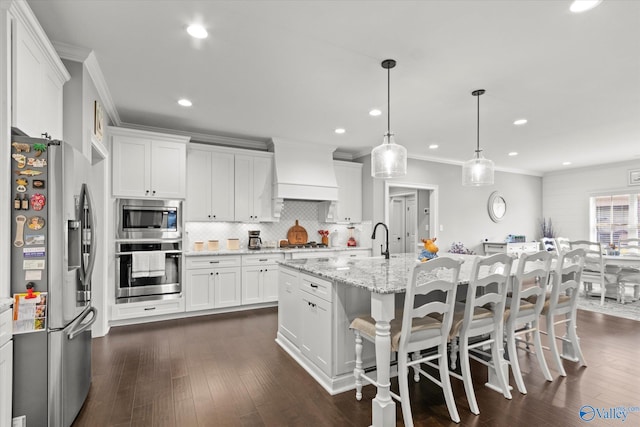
357, 371
404, 389
453, 356
446, 384
575, 341
602, 294
416, 368
553, 346
513, 361
466, 376
497, 355
540, 352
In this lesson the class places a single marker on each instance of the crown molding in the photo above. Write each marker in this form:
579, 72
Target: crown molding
71, 52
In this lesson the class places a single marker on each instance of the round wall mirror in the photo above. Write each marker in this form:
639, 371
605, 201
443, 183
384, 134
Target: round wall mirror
497, 207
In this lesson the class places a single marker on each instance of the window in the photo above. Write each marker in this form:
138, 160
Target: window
615, 217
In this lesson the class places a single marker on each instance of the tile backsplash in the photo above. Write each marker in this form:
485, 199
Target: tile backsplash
305, 212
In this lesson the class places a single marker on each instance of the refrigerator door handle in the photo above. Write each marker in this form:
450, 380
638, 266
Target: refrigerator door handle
78, 327
86, 197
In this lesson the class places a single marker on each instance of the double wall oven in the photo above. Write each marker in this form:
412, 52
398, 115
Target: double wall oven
148, 250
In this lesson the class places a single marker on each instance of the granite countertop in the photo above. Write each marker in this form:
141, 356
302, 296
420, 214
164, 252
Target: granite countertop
375, 274
271, 251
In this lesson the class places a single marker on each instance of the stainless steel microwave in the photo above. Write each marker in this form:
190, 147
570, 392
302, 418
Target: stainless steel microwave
149, 219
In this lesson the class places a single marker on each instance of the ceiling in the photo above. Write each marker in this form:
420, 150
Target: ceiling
298, 70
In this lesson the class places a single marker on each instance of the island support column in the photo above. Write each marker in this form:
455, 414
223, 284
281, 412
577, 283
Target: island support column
383, 407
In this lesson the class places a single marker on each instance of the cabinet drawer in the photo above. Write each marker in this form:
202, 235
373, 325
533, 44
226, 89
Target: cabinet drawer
355, 253
264, 259
213, 261
316, 286
5, 326
147, 308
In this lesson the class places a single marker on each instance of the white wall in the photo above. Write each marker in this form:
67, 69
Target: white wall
463, 214
566, 194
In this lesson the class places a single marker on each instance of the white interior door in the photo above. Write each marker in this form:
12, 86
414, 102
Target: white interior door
411, 224
397, 225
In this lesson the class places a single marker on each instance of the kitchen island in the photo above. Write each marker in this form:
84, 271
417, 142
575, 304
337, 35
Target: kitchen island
318, 299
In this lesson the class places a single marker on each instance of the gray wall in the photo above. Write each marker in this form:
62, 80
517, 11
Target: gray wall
463, 210
566, 194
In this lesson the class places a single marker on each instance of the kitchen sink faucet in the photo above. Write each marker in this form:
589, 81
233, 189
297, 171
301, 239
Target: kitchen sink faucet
373, 236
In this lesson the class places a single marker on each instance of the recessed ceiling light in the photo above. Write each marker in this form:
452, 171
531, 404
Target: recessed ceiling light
185, 102
197, 31
433, 146
520, 122
340, 131
566, 163
513, 153
583, 5
375, 112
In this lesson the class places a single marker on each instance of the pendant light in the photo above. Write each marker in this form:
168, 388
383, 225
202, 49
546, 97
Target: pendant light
477, 171
388, 160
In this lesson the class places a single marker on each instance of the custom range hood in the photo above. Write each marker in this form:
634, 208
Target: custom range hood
303, 171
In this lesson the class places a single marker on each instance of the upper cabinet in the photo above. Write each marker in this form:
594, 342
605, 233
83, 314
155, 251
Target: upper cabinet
225, 184
253, 187
210, 195
148, 164
348, 208
37, 77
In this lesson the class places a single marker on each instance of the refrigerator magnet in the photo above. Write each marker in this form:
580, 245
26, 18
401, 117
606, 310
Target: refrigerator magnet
35, 223
29, 172
37, 252
36, 163
31, 275
38, 183
21, 185
20, 158
34, 239
37, 202
33, 264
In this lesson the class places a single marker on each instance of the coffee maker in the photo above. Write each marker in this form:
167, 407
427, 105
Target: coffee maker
255, 242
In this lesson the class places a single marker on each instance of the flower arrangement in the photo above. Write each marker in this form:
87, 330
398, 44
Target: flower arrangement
546, 228
325, 236
458, 248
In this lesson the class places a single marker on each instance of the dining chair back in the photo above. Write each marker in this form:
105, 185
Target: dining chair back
523, 311
595, 270
563, 301
629, 276
478, 323
424, 324
562, 244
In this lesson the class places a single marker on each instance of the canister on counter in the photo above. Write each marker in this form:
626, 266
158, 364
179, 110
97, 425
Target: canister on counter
233, 244
212, 245
198, 246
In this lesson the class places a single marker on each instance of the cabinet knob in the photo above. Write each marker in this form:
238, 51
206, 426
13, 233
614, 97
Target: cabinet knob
146, 192
154, 191
208, 216
216, 273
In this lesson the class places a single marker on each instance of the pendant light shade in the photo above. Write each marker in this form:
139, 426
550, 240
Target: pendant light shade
478, 171
388, 160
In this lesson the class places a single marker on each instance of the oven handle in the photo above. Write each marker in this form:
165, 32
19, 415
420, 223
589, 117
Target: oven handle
173, 254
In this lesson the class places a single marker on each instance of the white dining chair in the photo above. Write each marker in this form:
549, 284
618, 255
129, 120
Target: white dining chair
431, 293
629, 276
595, 271
561, 306
478, 324
523, 311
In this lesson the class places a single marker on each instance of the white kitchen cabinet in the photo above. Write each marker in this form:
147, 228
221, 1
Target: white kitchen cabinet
134, 310
213, 282
37, 77
315, 335
6, 367
260, 278
148, 164
289, 306
491, 248
253, 187
210, 188
348, 208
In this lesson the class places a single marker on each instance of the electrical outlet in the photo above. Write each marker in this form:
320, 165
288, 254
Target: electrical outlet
441, 227
426, 227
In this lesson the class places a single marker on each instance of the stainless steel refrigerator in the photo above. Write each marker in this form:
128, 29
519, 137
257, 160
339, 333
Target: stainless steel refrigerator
53, 252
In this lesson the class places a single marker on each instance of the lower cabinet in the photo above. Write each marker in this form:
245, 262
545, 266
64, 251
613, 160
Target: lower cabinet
315, 335
135, 310
289, 305
212, 282
260, 278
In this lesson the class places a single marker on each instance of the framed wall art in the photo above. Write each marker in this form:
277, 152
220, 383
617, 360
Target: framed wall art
98, 121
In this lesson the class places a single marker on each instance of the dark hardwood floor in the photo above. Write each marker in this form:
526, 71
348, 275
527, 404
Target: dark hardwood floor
227, 370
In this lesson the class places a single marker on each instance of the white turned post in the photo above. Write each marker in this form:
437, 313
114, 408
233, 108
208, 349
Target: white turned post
383, 406
358, 369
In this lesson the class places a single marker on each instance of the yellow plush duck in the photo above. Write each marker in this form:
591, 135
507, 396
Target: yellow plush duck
430, 250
